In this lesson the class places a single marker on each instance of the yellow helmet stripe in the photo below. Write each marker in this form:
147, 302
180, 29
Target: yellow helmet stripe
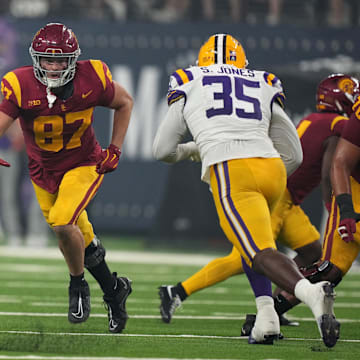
98, 67
12, 79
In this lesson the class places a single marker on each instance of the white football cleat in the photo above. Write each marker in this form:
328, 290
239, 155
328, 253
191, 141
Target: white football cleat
322, 306
266, 328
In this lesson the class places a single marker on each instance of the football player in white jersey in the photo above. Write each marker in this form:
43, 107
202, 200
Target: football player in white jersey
243, 138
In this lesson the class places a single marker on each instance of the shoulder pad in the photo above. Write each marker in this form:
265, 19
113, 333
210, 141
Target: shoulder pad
10, 88
272, 80
102, 72
180, 77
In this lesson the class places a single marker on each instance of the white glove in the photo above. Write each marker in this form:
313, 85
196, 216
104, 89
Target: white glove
192, 151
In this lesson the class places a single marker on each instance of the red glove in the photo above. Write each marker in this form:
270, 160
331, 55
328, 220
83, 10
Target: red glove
346, 229
109, 159
4, 163
348, 217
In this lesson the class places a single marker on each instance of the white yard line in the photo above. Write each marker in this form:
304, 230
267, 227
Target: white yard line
182, 336
115, 256
185, 317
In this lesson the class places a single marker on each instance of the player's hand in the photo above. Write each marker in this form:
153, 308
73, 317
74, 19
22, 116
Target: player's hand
348, 217
109, 159
194, 154
347, 227
4, 163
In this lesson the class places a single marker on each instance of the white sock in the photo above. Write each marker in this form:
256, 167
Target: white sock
262, 301
303, 289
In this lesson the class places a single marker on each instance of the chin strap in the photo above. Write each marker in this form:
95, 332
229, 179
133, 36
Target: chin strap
51, 98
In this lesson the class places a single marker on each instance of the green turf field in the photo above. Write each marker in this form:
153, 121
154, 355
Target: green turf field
33, 317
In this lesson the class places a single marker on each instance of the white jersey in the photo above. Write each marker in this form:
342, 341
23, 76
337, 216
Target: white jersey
227, 110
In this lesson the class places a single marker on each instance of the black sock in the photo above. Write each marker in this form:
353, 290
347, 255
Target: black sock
103, 276
282, 305
76, 281
179, 290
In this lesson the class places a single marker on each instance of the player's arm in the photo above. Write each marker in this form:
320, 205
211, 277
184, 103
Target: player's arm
285, 139
5, 123
346, 157
326, 189
166, 146
122, 103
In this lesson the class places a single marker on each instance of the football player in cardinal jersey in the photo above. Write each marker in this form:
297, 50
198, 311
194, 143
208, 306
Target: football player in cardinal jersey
342, 240
241, 133
319, 133
55, 100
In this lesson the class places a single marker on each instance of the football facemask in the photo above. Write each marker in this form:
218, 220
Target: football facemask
58, 42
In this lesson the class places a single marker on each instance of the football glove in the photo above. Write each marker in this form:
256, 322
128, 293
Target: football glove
348, 217
109, 159
4, 163
193, 151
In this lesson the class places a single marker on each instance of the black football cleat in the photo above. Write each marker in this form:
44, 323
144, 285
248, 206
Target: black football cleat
116, 305
169, 302
284, 321
79, 303
248, 325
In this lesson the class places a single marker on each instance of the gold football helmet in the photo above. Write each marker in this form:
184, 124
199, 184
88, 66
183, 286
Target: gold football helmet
222, 49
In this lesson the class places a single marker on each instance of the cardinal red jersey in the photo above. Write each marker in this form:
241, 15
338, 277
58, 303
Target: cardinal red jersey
352, 133
313, 130
59, 137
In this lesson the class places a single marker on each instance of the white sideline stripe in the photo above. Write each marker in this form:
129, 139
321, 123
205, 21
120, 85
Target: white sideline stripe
115, 256
186, 317
37, 357
182, 336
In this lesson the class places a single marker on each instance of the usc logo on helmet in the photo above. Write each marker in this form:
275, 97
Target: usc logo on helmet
346, 85
222, 49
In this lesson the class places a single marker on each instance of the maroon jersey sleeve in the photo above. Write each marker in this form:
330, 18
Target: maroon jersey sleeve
313, 130
11, 93
351, 131
105, 77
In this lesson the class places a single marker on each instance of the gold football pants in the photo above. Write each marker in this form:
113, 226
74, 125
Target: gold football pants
245, 192
67, 205
335, 249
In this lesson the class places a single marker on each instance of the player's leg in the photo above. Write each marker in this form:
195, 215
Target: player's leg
241, 211
116, 289
300, 235
61, 211
241, 207
214, 272
337, 256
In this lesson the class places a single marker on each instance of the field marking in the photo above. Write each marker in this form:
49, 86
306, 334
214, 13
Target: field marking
37, 357
185, 317
181, 336
144, 257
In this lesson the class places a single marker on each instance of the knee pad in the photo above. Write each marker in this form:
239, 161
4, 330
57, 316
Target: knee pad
94, 254
322, 270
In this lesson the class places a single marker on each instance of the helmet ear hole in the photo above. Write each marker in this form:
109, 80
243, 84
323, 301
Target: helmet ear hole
55, 40
222, 49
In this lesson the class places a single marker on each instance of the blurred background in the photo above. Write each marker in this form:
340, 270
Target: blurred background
143, 42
